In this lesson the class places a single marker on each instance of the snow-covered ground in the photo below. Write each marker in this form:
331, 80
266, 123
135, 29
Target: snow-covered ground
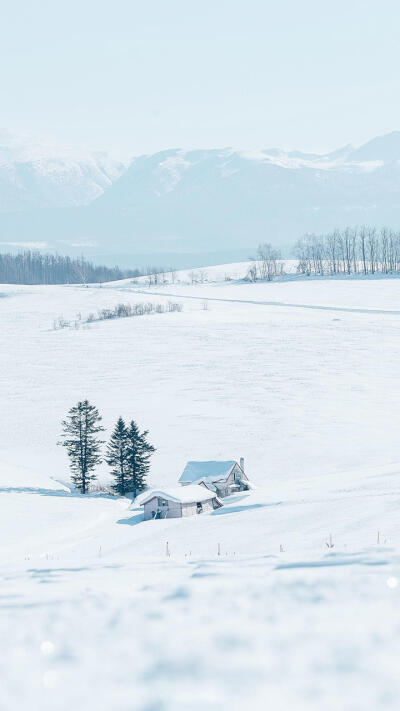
93, 613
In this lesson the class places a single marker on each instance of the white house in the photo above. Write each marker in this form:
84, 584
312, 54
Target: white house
224, 478
179, 501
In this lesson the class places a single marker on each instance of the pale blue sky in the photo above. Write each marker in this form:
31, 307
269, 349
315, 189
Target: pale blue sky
142, 76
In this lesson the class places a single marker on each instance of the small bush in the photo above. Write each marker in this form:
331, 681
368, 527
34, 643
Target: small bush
60, 322
174, 306
119, 311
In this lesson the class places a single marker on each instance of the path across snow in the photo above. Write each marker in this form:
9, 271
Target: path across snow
345, 309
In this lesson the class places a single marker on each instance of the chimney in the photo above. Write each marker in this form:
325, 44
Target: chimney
242, 463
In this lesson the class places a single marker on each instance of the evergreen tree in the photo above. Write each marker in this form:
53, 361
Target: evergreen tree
80, 438
117, 457
139, 453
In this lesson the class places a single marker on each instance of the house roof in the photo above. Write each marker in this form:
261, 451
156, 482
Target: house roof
207, 471
181, 494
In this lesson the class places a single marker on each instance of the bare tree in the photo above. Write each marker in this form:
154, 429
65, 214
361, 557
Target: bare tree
372, 249
81, 270
202, 275
267, 258
34, 267
362, 240
172, 274
252, 272
332, 248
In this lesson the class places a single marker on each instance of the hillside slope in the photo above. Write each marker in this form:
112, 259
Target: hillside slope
93, 611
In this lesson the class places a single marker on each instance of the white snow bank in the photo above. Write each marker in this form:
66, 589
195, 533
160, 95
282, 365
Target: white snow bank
181, 494
17, 477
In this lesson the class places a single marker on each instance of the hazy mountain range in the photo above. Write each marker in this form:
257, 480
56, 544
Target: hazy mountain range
183, 207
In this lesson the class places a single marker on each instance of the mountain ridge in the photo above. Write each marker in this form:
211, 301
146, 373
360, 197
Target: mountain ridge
177, 201
34, 174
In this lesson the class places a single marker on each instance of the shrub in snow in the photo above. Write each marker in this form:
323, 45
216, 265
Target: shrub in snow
120, 311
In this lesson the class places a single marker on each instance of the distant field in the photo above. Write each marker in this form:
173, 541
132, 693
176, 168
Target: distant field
308, 396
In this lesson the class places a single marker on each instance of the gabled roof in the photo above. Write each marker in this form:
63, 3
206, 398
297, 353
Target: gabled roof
181, 494
207, 471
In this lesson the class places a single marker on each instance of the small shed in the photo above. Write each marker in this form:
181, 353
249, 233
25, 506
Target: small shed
224, 477
179, 501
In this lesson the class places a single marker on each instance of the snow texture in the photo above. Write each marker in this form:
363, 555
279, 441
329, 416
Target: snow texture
181, 494
287, 597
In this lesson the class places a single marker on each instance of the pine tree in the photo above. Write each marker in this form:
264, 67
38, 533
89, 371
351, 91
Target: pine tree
83, 446
117, 457
139, 453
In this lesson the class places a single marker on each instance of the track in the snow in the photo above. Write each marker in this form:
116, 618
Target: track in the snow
346, 309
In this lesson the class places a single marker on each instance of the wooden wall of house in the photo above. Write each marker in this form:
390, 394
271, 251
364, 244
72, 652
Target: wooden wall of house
208, 505
191, 509
224, 488
174, 509
236, 470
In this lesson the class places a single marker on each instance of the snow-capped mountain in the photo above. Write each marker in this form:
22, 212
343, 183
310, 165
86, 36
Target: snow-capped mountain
38, 175
233, 199
194, 202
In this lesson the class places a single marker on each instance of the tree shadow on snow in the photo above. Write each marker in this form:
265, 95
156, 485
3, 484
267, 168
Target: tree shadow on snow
52, 492
34, 490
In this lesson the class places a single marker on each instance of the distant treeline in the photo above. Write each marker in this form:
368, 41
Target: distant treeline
362, 250
31, 267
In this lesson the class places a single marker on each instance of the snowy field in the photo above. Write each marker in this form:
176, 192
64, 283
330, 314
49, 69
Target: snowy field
301, 378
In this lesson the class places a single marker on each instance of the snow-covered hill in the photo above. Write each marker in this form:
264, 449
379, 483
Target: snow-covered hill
298, 377
182, 207
38, 175
232, 199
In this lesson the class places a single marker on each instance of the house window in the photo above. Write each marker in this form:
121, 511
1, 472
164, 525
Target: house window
162, 502
199, 506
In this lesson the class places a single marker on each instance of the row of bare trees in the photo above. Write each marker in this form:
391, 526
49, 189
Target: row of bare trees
358, 250
266, 264
33, 267
160, 275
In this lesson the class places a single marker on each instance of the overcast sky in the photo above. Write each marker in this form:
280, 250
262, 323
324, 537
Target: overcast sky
142, 76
